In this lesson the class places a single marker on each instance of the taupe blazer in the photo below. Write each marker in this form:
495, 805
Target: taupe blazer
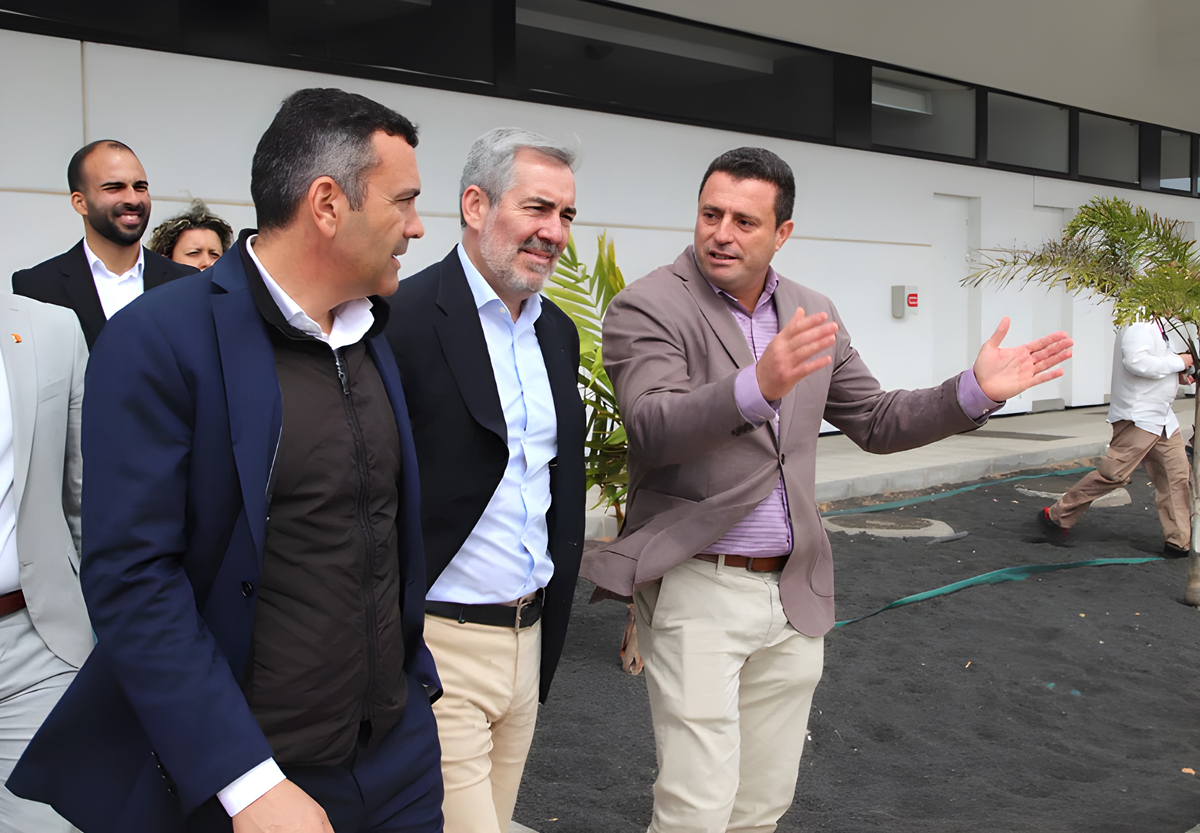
673, 350
44, 359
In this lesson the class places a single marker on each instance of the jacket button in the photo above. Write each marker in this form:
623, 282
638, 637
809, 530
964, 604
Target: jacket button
247, 588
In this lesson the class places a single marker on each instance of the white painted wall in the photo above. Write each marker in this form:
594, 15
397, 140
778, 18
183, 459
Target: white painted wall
865, 221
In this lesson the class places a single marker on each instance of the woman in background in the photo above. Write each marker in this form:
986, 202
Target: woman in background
196, 237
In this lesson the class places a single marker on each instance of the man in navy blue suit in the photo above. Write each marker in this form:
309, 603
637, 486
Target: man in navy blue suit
252, 558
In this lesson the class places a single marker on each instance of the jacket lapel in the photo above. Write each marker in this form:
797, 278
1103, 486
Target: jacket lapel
251, 389
787, 301
714, 309
20, 367
155, 271
81, 289
465, 348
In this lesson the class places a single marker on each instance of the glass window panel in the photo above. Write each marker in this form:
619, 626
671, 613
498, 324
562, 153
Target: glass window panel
1176, 161
1027, 133
451, 38
910, 111
1108, 148
154, 21
673, 69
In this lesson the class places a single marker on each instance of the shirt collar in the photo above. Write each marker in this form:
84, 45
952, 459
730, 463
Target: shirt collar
351, 319
483, 293
99, 270
768, 290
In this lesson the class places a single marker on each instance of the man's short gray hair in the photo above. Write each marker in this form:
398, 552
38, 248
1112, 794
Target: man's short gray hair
490, 160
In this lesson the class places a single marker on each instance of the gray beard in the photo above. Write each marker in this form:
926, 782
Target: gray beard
502, 261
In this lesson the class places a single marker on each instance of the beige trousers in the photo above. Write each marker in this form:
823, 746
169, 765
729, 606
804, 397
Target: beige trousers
486, 715
1165, 462
730, 684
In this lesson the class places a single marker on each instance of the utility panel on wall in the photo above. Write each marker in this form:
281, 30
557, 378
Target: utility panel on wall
905, 301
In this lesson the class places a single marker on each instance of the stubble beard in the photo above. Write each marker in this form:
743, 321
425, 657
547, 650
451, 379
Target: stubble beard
502, 260
103, 224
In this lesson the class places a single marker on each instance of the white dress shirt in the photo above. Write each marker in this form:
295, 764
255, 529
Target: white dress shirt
10, 569
351, 321
115, 290
507, 555
1145, 379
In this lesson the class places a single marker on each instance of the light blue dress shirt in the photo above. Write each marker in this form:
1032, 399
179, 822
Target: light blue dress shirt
507, 556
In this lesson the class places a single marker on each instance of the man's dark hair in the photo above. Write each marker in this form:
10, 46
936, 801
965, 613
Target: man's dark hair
75, 166
319, 132
763, 165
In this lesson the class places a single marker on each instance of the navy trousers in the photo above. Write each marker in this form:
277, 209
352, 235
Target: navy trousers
395, 787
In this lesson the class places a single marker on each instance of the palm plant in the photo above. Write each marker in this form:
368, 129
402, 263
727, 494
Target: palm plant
1137, 260
584, 295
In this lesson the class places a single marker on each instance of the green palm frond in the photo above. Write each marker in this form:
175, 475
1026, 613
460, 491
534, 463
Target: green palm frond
584, 295
1113, 250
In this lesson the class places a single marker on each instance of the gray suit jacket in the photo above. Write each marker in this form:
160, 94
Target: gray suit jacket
45, 383
696, 467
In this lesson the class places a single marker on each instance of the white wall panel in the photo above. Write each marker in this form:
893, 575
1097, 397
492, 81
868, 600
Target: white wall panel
865, 221
37, 227
42, 121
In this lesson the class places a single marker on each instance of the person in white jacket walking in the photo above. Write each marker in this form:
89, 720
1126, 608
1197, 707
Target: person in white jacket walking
1145, 377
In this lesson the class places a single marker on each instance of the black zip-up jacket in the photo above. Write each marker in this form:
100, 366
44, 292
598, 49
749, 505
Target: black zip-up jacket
327, 663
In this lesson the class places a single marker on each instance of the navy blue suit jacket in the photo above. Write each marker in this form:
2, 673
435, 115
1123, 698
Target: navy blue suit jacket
181, 423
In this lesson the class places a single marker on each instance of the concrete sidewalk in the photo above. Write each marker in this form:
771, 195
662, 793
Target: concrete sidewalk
1004, 444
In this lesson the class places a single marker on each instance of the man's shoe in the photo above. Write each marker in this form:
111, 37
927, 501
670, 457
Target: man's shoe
1172, 551
1056, 534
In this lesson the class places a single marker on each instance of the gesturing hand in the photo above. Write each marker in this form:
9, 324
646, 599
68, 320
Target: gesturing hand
285, 808
1005, 372
789, 356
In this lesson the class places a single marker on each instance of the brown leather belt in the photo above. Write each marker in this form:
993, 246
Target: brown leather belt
754, 565
12, 602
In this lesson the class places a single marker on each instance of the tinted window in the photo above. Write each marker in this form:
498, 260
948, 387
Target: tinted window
667, 68
1108, 148
1027, 133
439, 37
910, 111
1176, 161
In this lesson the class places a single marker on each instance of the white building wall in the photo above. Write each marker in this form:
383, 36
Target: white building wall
864, 221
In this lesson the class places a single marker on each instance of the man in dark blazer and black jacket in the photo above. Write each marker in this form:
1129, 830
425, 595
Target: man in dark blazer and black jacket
252, 560
490, 373
109, 267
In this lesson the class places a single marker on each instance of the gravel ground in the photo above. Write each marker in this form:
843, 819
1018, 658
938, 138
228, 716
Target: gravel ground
1065, 702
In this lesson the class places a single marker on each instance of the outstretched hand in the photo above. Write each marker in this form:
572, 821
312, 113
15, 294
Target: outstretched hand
1005, 372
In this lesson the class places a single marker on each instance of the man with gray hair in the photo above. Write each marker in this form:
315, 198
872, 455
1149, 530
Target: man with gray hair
489, 370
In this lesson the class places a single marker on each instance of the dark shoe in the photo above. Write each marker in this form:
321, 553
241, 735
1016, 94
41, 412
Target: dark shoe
1172, 551
1055, 534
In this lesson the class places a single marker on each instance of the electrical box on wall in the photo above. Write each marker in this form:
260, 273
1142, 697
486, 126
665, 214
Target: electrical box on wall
905, 301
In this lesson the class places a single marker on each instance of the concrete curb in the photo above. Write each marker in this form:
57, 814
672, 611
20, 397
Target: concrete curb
962, 471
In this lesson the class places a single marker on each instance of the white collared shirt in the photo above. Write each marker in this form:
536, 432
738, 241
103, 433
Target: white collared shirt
1145, 379
10, 569
115, 290
507, 555
351, 321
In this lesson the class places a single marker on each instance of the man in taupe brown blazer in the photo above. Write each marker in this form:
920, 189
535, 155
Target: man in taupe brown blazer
723, 371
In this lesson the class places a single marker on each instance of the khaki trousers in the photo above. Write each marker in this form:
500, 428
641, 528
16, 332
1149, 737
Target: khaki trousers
730, 684
1165, 462
486, 715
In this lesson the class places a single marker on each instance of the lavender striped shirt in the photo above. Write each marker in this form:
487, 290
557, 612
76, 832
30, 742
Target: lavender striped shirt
767, 531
